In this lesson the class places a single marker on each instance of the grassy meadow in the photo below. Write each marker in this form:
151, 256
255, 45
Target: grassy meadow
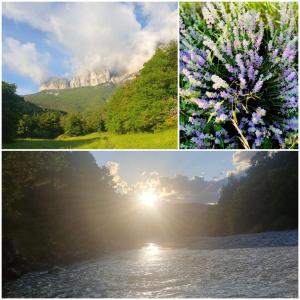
166, 139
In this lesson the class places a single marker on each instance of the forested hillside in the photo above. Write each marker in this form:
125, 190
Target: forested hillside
265, 199
72, 100
15, 110
148, 102
60, 207
39, 189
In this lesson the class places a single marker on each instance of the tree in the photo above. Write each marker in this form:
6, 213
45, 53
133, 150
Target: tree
54, 204
266, 198
48, 125
94, 121
73, 125
25, 126
40, 125
11, 111
14, 108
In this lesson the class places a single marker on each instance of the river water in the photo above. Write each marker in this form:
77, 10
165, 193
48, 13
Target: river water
256, 265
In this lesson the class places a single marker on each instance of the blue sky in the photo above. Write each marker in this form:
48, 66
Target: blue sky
25, 33
42, 40
169, 163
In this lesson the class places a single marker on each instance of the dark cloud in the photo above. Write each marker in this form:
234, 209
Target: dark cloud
195, 189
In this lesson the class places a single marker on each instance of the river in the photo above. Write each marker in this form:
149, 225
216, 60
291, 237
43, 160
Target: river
252, 265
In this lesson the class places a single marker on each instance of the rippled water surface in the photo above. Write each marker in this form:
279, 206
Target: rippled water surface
156, 271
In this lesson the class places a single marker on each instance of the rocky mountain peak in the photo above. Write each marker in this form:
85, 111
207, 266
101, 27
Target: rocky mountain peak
91, 78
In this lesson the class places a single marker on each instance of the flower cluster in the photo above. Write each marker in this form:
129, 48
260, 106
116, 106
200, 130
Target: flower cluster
238, 75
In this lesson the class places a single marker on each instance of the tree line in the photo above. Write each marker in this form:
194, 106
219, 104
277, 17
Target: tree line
26, 120
266, 198
144, 104
61, 207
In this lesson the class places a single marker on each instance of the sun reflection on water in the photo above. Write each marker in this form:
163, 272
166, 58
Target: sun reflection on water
151, 250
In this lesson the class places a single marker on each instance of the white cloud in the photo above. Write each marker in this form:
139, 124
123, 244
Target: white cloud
113, 167
242, 159
33, 14
148, 183
100, 35
120, 184
154, 173
25, 59
151, 173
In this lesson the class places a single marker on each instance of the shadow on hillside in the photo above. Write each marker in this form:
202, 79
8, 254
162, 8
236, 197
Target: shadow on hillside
50, 144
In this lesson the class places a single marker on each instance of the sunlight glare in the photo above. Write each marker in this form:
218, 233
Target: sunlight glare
152, 249
148, 198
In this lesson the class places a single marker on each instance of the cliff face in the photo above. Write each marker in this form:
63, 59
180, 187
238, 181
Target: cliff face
89, 79
55, 84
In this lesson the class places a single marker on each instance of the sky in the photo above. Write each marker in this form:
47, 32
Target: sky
185, 176
56, 39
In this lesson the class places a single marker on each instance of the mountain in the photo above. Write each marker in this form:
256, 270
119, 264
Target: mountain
68, 100
78, 93
91, 78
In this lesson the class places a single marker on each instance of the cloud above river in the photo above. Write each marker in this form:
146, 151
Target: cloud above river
179, 188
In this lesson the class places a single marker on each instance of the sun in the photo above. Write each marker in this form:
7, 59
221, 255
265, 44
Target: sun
148, 197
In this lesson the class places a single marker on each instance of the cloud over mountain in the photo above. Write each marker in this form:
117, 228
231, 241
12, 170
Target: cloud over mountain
99, 35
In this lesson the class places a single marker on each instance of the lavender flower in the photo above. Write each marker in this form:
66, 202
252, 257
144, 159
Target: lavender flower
204, 104
289, 54
251, 74
240, 78
230, 68
218, 82
221, 118
242, 82
257, 86
212, 46
240, 63
292, 76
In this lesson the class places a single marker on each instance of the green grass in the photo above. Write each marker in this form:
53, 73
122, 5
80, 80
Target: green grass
166, 139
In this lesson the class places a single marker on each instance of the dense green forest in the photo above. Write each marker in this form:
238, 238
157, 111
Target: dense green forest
147, 103
60, 207
265, 199
21, 118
